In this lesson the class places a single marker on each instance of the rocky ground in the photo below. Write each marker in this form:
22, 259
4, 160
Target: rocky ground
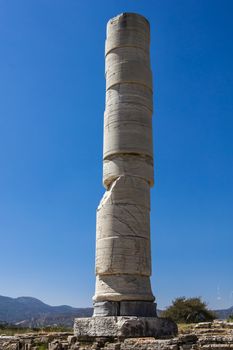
216, 335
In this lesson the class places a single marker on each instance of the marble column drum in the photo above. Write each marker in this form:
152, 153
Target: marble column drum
123, 257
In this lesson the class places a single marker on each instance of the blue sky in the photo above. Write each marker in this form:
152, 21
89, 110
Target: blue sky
52, 91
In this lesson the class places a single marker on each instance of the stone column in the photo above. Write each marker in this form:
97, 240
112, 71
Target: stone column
123, 301
123, 257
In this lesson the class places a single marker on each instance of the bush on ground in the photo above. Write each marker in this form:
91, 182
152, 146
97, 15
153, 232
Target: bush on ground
188, 310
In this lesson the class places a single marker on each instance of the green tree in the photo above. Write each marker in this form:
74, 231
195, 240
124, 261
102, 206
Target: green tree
188, 310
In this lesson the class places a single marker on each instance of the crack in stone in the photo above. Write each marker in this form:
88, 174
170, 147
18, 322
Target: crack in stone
123, 259
128, 211
124, 223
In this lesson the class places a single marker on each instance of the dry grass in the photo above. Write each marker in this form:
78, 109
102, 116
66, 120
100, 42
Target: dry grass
185, 327
9, 331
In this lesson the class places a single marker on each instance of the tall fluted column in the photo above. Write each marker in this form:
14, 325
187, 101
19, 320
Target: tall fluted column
123, 257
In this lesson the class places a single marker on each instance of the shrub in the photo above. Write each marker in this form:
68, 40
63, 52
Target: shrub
188, 310
43, 347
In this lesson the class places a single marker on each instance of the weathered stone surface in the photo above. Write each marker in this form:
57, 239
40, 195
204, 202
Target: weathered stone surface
191, 340
138, 308
129, 165
127, 190
124, 327
129, 95
127, 220
129, 72
35, 341
123, 229
123, 257
125, 308
130, 254
128, 137
127, 30
123, 287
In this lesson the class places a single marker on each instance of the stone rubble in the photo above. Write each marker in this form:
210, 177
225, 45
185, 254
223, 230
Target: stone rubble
217, 335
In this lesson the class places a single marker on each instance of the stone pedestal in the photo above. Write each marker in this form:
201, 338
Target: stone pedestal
123, 327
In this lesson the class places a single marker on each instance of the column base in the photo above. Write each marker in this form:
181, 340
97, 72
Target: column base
125, 308
124, 327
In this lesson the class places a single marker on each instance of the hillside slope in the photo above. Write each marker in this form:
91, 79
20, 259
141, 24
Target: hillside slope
224, 314
32, 312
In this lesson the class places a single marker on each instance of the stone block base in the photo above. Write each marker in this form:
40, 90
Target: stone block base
125, 308
124, 327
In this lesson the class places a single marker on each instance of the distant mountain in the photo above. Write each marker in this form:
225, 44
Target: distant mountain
31, 312
223, 314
